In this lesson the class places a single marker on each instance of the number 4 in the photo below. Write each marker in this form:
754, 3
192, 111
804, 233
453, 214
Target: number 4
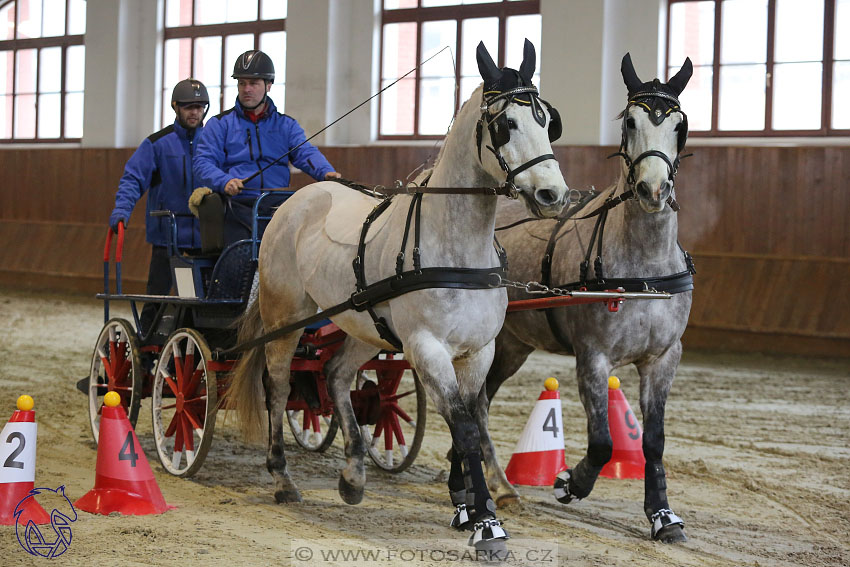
128, 450
551, 424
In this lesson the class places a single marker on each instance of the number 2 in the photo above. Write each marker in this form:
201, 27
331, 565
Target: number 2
10, 460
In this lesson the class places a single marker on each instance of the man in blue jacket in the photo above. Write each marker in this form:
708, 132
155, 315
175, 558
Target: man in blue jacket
245, 140
162, 167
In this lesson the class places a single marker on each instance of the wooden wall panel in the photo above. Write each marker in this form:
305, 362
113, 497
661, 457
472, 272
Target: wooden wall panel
767, 226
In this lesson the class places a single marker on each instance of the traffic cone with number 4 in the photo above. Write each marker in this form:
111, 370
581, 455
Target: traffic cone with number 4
539, 453
123, 481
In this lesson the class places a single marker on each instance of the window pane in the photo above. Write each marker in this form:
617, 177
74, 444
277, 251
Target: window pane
467, 86
74, 115
49, 115
842, 29
207, 62
167, 111
50, 70
7, 62
395, 4
273, 9
519, 28
25, 116
696, 99
429, 3
178, 13
7, 23
230, 92
742, 96
6, 103
799, 31
743, 31
54, 20
399, 50
29, 18
436, 36
692, 32
436, 105
397, 106
221, 11
797, 96
840, 95
473, 31
75, 70
177, 61
273, 44
234, 46
25, 68
215, 101
76, 19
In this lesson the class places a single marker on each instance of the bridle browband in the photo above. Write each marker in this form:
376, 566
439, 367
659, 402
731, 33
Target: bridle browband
672, 165
490, 121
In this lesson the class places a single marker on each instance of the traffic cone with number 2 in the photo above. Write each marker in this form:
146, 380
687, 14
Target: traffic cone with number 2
17, 468
123, 481
539, 453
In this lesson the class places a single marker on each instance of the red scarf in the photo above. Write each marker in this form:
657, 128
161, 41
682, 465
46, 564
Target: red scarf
256, 116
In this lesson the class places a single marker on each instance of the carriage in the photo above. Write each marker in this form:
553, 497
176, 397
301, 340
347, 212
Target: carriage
181, 362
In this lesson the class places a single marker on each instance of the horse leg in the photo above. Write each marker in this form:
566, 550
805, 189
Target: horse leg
454, 390
592, 372
278, 359
341, 370
656, 377
510, 355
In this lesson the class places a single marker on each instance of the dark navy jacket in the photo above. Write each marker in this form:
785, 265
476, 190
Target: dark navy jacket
232, 146
162, 165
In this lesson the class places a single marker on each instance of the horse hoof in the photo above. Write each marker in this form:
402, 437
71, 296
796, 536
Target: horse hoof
561, 488
509, 502
287, 496
671, 534
350, 494
493, 552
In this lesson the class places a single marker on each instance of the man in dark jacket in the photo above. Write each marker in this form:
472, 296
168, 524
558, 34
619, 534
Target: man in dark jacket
162, 167
247, 138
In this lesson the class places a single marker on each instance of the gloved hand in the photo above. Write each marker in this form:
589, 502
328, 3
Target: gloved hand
115, 218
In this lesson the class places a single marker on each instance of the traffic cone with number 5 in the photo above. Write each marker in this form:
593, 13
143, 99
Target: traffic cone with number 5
123, 481
539, 453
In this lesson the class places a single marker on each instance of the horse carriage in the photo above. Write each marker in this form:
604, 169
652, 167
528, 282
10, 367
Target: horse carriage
181, 363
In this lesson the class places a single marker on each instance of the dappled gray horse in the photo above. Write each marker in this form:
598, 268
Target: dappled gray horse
640, 250
305, 264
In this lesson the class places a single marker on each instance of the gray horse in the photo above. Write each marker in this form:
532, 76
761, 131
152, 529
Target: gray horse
447, 334
640, 250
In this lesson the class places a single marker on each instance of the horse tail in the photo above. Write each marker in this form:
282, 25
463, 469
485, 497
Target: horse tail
246, 392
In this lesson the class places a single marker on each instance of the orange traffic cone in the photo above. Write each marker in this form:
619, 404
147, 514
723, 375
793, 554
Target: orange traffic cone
123, 481
539, 453
627, 458
17, 473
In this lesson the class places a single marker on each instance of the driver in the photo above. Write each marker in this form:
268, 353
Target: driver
243, 140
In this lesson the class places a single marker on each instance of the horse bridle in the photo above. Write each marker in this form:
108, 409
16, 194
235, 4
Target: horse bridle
497, 125
672, 165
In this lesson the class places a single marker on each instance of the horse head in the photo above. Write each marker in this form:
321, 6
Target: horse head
655, 130
517, 128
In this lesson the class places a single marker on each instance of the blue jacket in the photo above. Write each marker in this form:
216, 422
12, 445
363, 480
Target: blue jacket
232, 146
162, 164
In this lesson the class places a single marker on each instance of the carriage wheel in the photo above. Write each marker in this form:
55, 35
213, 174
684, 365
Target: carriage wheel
312, 431
394, 440
115, 367
184, 403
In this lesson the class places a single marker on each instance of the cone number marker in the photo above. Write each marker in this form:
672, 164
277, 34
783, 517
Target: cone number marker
22, 442
17, 452
632, 424
551, 423
128, 450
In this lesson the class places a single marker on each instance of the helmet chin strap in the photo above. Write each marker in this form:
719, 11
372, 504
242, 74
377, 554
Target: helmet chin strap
251, 108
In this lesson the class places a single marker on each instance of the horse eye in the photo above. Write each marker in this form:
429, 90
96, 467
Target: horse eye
630, 123
511, 123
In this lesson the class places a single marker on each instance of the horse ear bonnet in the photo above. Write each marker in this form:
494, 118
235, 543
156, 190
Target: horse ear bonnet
658, 99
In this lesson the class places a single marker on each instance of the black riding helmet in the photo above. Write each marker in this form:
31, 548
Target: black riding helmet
190, 91
254, 64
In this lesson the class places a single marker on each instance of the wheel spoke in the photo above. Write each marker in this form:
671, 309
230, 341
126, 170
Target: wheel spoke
175, 458
172, 426
188, 437
192, 418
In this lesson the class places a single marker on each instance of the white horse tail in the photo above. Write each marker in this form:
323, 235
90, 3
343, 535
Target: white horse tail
246, 393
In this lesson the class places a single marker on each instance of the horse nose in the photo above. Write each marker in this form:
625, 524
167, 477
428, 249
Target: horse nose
645, 191
546, 196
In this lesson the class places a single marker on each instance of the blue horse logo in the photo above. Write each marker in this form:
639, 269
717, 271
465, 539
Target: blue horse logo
46, 544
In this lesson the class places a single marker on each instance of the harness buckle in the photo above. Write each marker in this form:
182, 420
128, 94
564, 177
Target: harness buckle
512, 191
498, 280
